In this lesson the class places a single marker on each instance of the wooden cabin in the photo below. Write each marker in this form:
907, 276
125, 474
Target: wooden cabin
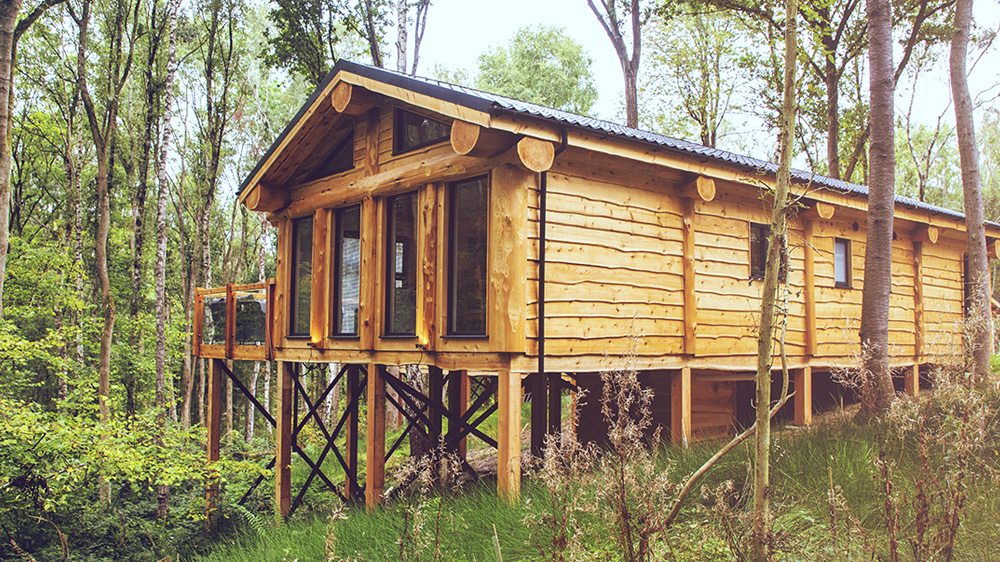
422, 223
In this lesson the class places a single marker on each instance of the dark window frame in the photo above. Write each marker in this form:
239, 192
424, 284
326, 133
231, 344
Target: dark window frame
849, 258
336, 313
294, 281
758, 253
452, 269
390, 268
399, 127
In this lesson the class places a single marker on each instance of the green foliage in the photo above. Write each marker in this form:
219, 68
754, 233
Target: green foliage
541, 65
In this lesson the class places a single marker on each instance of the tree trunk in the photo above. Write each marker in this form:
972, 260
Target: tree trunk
402, 17
878, 247
832, 76
977, 274
267, 389
761, 527
8, 19
630, 64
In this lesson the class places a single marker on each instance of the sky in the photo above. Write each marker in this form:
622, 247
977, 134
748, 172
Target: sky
458, 31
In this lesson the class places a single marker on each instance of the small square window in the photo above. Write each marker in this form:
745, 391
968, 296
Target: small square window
759, 234
842, 263
414, 131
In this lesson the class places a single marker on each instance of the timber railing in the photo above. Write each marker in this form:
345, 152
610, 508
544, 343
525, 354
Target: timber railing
235, 321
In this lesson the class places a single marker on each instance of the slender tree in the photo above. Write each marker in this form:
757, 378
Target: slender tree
977, 271
878, 247
608, 15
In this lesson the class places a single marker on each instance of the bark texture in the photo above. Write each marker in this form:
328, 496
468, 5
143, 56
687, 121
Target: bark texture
8, 19
608, 15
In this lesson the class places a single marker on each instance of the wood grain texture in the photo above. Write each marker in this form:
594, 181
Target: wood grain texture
375, 439
508, 257
509, 435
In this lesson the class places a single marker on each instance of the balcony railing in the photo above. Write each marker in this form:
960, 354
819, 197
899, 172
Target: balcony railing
235, 322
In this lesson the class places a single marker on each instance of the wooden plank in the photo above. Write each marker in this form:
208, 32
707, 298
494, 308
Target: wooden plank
509, 435
508, 258
912, 383
375, 439
809, 286
435, 391
430, 271
680, 407
320, 300
283, 439
371, 141
213, 425
371, 237
803, 396
351, 425
690, 297
458, 403
918, 298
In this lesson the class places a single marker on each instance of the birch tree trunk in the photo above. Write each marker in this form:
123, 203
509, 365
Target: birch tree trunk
629, 63
8, 19
977, 274
878, 246
761, 527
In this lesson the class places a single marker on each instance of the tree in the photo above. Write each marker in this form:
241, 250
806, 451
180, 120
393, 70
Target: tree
607, 14
977, 272
402, 32
541, 65
881, 189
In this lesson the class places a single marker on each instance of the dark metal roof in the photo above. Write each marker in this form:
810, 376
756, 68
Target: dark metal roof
496, 105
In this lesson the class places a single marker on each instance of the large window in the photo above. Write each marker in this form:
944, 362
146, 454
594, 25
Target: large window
842, 263
467, 281
414, 131
401, 266
301, 286
759, 234
347, 271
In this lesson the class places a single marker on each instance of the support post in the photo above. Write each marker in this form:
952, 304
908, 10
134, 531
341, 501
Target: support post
283, 439
680, 407
555, 403
803, 396
458, 403
436, 394
690, 300
810, 287
509, 435
912, 381
375, 439
538, 413
214, 426
351, 428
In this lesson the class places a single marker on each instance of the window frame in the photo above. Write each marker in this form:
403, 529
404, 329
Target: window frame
336, 296
452, 296
758, 274
293, 296
848, 259
398, 127
390, 267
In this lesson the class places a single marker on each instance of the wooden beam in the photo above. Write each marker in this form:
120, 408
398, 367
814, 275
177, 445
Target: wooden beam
199, 325
458, 403
809, 288
319, 303
375, 439
370, 240
213, 426
352, 100
265, 199
926, 234
509, 435
474, 140
690, 295
819, 211
508, 257
430, 273
918, 300
680, 407
351, 426
230, 321
702, 188
555, 403
283, 439
803, 396
372, 127
993, 248
912, 382
536, 155
435, 391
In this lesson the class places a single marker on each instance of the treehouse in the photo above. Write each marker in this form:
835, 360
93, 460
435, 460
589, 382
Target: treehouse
497, 243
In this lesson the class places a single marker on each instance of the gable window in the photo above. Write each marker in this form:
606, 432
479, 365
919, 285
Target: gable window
301, 286
414, 131
340, 159
467, 255
759, 234
347, 271
842, 263
401, 266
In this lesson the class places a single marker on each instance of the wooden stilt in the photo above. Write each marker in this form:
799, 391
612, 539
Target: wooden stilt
680, 407
214, 426
803, 396
351, 428
509, 435
913, 380
283, 438
555, 403
436, 394
458, 403
538, 413
375, 439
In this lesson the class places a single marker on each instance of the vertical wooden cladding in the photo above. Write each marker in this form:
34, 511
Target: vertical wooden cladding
508, 258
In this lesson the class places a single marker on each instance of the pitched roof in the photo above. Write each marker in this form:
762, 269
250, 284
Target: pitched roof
495, 105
